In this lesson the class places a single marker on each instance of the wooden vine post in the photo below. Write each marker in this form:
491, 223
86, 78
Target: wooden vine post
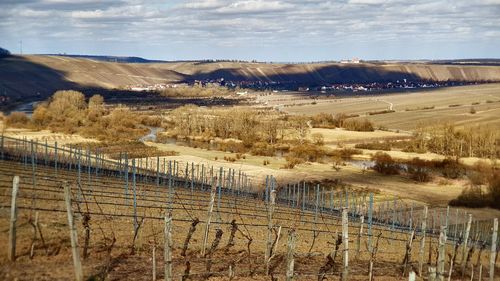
360, 233
345, 243
73, 234
422, 242
412, 276
168, 247
290, 262
209, 218
464, 248
13, 220
432, 273
441, 254
493, 249
269, 242
370, 222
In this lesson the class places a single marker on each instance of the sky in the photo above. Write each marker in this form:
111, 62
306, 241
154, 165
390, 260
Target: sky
264, 30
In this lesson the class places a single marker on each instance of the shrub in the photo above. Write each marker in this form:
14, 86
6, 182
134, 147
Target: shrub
232, 146
385, 146
151, 121
134, 149
17, 120
472, 110
229, 159
472, 197
450, 168
384, 164
480, 173
494, 190
307, 152
344, 153
418, 170
381, 112
318, 139
262, 149
291, 162
323, 120
360, 125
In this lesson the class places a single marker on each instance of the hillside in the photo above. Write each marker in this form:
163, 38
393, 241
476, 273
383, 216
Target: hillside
36, 76
319, 73
30, 77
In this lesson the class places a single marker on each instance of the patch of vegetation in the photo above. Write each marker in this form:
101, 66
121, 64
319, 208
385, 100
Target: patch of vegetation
450, 168
344, 153
307, 152
196, 91
381, 112
470, 141
330, 121
115, 150
17, 120
69, 112
419, 170
476, 197
419, 108
384, 164
385, 146
360, 125
291, 162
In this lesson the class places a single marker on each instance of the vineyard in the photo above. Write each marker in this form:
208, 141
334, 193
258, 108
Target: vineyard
70, 213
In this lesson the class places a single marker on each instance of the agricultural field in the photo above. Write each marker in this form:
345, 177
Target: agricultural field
451, 105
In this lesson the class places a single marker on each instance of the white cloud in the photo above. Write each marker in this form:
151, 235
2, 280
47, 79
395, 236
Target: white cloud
316, 24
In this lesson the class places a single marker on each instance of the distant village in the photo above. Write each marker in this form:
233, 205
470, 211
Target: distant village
403, 84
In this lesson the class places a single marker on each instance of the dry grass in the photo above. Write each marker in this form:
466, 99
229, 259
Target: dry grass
333, 136
487, 111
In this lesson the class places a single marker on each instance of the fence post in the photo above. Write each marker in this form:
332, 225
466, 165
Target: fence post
73, 234
422, 242
219, 189
55, 157
412, 276
1, 146
370, 221
290, 262
269, 242
168, 247
134, 192
441, 254
154, 262
464, 248
170, 188
13, 219
432, 273
345, 243
360, 233
493, 249
446, 222
209, 217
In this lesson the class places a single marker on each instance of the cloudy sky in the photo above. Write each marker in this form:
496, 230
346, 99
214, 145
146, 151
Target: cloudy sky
269, 30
